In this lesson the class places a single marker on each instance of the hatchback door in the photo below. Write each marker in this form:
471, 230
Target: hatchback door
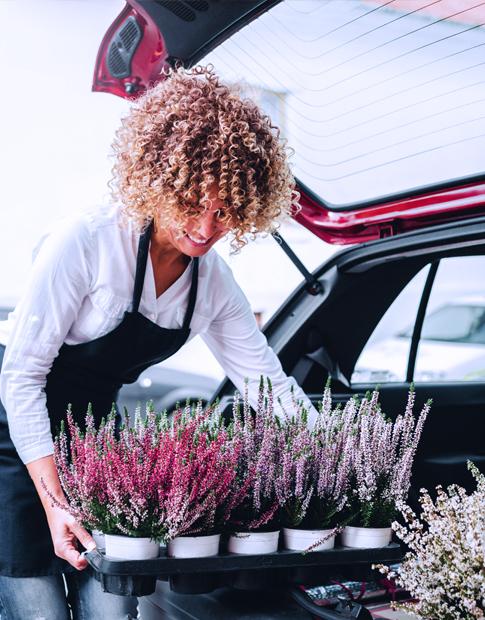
381, 101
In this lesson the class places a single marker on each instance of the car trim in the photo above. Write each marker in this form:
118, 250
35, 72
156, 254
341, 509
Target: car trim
146, 61
416, 243
420, 316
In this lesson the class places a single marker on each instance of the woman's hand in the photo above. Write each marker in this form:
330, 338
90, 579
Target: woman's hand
65, 530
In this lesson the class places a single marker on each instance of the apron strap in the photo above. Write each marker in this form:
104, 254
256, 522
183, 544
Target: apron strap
192, 294
141, 264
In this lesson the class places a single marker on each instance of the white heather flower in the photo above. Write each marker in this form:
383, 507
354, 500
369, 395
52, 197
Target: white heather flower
445, 567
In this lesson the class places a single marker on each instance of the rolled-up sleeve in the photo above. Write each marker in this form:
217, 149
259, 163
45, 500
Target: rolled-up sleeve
243, 352
59, 280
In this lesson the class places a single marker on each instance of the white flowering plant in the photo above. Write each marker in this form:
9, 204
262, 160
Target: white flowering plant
382, 460
315, 466
444, 569
352, 468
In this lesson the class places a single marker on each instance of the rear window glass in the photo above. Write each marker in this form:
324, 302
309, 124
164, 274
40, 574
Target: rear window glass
375, 97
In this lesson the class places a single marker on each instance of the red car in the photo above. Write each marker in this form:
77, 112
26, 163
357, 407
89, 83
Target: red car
383, 104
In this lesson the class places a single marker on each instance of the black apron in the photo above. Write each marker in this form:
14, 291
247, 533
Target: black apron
91, 372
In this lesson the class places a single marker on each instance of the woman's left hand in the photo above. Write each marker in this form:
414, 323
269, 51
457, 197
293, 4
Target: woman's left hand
66, 532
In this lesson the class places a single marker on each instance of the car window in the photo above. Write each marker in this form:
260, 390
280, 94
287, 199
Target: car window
385, 357
375, 97
452, 344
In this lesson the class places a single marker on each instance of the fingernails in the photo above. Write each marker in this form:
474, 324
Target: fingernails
91, 547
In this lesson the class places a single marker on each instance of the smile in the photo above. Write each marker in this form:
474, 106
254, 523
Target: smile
197, 242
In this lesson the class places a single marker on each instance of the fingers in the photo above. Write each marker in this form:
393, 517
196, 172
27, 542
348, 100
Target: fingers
72, 555
68, 548
84, 537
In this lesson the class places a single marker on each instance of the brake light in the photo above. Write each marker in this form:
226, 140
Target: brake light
131, 56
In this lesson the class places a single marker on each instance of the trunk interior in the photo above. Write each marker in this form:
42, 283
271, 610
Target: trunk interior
322, 335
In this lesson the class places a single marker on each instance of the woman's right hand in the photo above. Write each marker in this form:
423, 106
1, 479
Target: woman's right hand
65, 533
65, 530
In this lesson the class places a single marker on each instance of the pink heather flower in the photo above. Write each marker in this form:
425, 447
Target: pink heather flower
202, 476
109, 481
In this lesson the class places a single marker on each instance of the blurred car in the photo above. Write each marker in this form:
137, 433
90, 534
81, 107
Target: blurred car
165, 388
452, 347
4, 312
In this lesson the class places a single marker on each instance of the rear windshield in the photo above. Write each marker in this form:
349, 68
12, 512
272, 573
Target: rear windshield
375, 97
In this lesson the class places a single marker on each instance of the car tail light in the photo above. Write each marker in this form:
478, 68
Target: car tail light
131, 56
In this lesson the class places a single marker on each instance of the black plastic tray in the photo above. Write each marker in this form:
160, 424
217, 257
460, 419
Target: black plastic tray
249, 572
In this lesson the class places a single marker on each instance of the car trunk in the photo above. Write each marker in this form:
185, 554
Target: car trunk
320, 336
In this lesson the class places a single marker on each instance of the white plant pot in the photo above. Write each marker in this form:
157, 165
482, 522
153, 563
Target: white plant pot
131, 548
194, 546
299, 540
366, 537
253, 542
98, 539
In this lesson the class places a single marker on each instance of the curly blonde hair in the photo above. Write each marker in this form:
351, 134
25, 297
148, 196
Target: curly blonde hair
190, 131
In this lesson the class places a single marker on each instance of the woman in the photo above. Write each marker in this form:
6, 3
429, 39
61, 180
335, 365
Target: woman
115, 291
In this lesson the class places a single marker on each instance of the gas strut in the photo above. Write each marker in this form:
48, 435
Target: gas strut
313, 286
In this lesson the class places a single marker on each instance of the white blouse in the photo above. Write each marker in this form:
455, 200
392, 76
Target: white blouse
80, 285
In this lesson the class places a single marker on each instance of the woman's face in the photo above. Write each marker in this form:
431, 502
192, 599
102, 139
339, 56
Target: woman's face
202, 231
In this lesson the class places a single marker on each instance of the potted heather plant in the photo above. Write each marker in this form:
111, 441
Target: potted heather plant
315, 472
115, 481
203, 472
444, 569
252, 508
382, 459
